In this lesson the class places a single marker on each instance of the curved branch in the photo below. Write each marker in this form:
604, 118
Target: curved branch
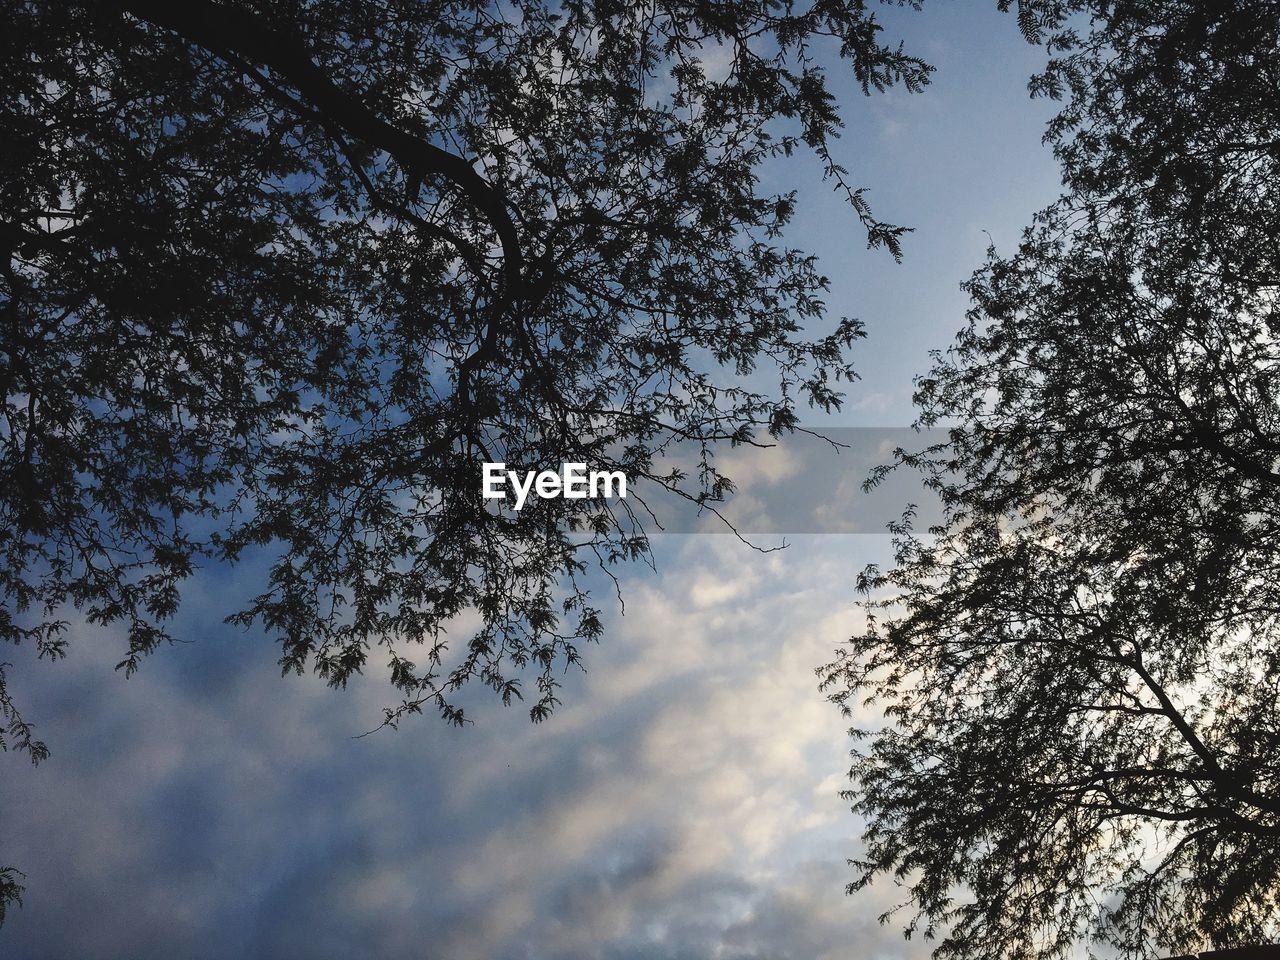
380, 202
226, 30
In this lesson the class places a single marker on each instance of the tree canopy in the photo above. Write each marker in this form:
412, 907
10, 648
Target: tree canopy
278, 278
1079, 666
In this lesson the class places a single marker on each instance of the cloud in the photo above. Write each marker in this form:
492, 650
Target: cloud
682, 802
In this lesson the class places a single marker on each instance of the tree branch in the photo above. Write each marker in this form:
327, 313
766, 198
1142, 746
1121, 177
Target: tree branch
235, 33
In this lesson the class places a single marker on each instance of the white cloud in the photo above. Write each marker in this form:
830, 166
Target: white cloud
682, 803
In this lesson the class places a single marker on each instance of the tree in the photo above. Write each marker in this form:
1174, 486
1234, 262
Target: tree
1079, 665
279, 277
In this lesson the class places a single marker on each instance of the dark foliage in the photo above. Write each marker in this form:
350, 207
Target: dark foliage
279, 277
1081, 664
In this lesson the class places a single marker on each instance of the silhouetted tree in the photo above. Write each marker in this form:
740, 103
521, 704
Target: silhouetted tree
1080, 665
282, 275
279, 276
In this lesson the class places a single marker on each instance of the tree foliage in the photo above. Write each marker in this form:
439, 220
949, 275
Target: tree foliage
1080, 665
279, 276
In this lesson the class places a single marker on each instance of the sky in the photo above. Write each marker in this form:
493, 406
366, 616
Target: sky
682, 803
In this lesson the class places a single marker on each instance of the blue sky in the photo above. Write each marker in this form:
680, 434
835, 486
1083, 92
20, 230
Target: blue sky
684, 800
